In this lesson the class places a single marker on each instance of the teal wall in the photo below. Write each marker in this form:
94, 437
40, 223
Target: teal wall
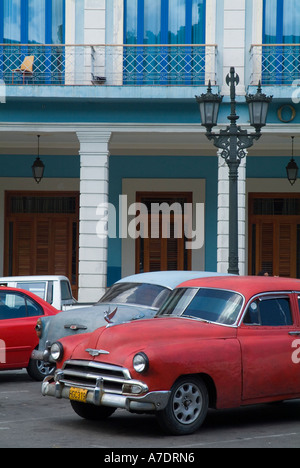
66, 167
263, 167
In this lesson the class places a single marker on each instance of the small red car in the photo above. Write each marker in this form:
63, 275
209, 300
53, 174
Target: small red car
19, 311
216, 343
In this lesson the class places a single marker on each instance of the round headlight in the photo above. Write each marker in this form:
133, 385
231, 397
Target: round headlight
57, 351
140, 363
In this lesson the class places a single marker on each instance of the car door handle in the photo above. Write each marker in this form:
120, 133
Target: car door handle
295, 333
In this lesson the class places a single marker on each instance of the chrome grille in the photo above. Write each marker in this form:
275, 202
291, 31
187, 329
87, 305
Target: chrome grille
85, 374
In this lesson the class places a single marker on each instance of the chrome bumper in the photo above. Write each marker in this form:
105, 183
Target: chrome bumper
152, 401
40, 355
44, 355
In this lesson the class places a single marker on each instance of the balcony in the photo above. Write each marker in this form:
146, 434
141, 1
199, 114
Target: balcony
275, 64
108, 65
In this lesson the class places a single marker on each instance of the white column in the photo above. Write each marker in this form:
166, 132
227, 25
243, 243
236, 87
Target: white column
94, 169
234, 42
223, 216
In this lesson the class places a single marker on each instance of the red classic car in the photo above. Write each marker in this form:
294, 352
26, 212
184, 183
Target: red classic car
19, 311
217, 342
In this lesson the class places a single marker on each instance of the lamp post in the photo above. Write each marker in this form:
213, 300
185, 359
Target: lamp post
233, 143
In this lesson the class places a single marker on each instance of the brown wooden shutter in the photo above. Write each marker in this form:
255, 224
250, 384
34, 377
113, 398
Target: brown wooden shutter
157, 251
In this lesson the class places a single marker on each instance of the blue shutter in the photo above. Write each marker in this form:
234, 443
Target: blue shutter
155, 67
280, 63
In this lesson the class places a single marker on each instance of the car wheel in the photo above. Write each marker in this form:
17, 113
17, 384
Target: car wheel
92, 412
187, 407
38, 370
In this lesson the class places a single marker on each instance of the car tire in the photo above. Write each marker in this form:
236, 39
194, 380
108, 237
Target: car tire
92, 412
38, 370
187, 407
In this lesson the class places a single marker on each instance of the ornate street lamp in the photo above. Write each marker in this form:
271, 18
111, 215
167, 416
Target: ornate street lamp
38, 166
233, 143
292, 168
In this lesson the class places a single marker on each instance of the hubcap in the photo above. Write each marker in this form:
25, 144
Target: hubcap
187, 403
44, 369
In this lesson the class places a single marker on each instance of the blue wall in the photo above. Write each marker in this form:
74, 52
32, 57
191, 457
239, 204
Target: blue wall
263, 167
55, 166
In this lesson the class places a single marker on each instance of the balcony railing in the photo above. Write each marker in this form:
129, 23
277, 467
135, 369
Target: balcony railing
275, 64
110, 65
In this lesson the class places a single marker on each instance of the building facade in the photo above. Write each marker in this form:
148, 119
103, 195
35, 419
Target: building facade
131, 183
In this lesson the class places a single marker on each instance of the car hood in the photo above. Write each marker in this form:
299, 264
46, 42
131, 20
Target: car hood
125, 340
86, 320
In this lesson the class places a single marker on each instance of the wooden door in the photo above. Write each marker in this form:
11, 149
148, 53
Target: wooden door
161, 247
274, 235
41, 235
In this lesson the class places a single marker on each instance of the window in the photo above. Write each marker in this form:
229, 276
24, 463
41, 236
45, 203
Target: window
271, 312
281, 26
150, 295
66, 293
30, 23
13, 306
37, 288
213, 305
162, 22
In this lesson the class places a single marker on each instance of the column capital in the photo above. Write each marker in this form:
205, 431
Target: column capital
93, 136
94, 143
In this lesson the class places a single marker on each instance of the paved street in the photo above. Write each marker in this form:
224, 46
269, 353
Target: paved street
29, 420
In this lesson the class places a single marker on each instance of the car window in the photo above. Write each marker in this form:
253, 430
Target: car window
15, 305
49, 297
37, 288
213, 305
271, 312
33, 308
150, 295
178, 301
66, 293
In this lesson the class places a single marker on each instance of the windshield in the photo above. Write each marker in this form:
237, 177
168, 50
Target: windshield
213, 305
150, 295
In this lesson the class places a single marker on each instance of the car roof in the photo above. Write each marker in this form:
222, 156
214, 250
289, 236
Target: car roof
167, 279
247, 285
14, 279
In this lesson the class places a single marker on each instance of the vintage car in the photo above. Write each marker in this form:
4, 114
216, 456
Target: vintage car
217, 342
132, 298
19, 310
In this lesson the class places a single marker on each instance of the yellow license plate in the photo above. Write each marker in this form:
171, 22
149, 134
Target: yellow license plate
78, 394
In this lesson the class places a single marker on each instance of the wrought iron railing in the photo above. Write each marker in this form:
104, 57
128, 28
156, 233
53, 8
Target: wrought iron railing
275, 64
111, 65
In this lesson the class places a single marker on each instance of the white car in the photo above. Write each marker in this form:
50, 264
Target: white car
56, 290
